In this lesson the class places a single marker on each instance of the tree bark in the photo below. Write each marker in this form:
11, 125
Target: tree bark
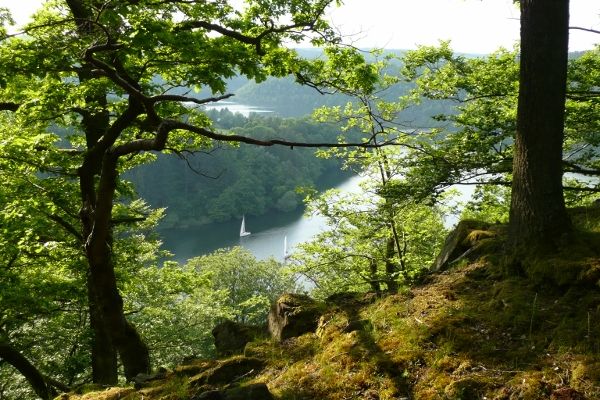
111, 329
28, 370
104, 354
538, 216
391, 269
374, 278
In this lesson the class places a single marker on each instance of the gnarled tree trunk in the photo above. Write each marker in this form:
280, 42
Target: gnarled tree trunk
111, 329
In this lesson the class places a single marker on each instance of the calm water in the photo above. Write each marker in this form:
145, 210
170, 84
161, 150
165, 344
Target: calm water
236, 108
266, 240
268, 231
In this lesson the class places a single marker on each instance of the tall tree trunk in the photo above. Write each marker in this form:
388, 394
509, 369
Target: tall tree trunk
538, 215
100, 287
12, 356
121, 336
104, 354
111, 328
374, 277
391, 269
392, 242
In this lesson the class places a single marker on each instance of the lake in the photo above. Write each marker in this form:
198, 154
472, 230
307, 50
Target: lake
235, 108
268, 232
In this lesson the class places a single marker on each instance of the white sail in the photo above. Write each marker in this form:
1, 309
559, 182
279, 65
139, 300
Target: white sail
243, 227
285, 249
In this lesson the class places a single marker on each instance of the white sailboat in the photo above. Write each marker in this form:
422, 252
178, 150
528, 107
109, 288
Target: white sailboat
243, 227
286, 255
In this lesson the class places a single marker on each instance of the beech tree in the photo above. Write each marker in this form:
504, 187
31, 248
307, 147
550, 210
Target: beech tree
120, 77
537, 214
520, 122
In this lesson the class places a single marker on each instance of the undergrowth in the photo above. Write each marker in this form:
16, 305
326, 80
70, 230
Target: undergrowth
477, 331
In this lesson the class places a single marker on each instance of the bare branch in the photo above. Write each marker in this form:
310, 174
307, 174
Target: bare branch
184, 157
174, 97
584, 29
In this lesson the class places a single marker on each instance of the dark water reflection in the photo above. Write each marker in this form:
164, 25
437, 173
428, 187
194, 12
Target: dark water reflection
267, 238
268, 231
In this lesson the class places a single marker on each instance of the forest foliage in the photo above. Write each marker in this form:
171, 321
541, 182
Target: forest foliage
84, 278
229, 181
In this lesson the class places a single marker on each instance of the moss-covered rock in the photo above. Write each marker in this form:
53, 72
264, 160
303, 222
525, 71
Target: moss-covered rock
97, 393
566, 393
464, 239
194, 367
255, 391
231, 337
293, 315
467, 388
228, 371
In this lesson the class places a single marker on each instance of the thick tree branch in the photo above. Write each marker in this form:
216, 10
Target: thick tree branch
101, 231
256, 41
267, 143
187, 25
27, 369
127, 220
166, 126
56, 384
107, 70
67, 226
7, 106
156, 144
119, 125
583, 95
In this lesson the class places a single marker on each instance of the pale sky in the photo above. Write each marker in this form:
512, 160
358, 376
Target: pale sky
473, 26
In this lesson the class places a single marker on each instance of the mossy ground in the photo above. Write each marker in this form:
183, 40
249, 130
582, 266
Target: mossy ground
477, 331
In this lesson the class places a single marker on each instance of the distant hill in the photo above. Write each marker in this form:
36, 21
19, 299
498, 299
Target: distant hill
287, 98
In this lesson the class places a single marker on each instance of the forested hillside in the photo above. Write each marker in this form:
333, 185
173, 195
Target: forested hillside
286, 97
231, 180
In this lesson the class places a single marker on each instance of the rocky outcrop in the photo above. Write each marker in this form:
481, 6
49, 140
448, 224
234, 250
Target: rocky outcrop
566, 393
256, 391
231, 337
229, 371
141, 379
462, 242
293, 315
